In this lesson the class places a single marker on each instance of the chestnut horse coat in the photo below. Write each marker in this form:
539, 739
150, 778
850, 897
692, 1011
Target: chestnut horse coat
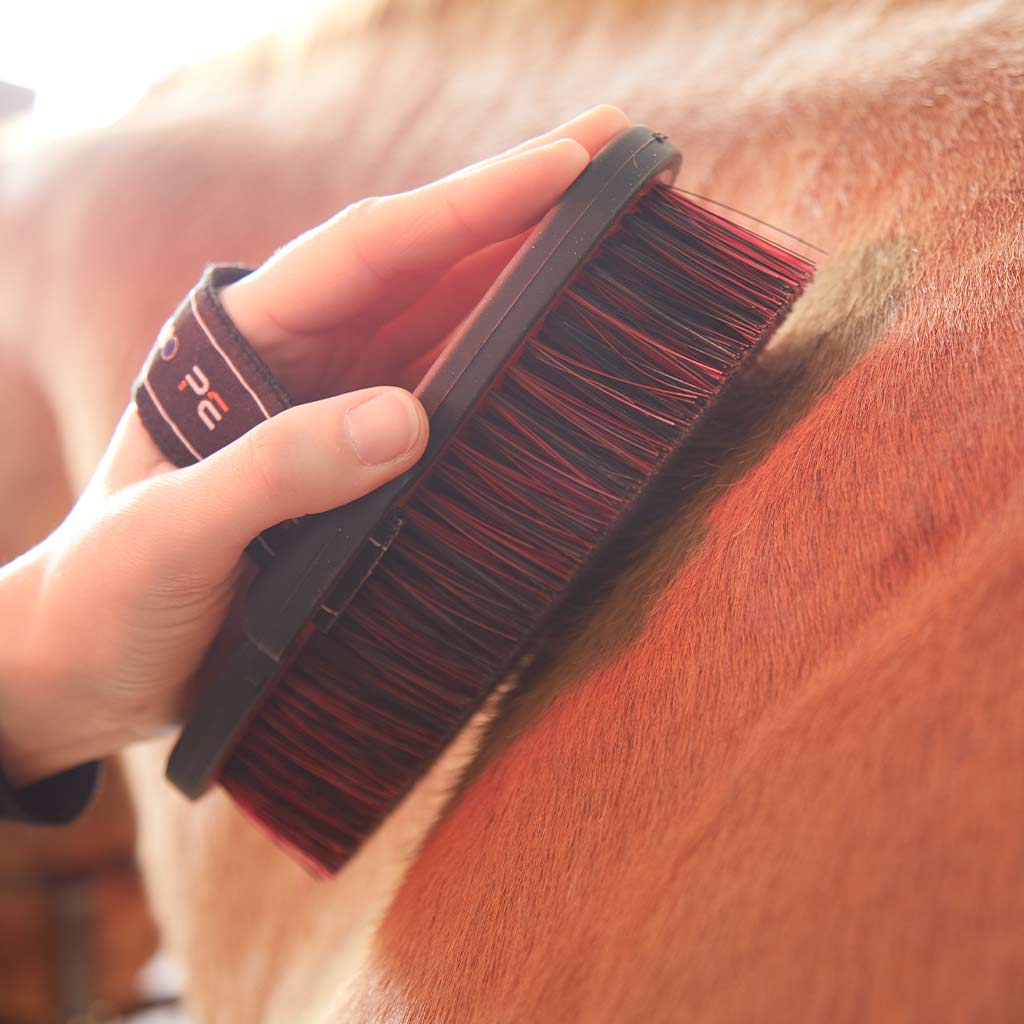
774, 769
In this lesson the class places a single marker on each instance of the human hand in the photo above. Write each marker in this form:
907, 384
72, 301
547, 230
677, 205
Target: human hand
110, 616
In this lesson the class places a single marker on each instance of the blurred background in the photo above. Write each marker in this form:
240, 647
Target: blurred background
79, 66
76, 942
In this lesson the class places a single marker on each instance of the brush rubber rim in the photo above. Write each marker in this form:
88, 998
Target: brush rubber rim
332, 554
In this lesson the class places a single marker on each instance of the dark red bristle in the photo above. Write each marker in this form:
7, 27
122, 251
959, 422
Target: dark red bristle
606, 387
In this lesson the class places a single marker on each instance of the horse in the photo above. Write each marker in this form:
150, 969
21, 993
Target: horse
771, 769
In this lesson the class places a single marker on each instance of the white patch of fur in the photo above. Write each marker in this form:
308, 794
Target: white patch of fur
336, 945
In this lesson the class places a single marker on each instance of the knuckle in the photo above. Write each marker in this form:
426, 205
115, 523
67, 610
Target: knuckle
451, 194
365, 242
268, 463
356, 214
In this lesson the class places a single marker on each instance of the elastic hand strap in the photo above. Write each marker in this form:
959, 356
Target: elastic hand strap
203, 385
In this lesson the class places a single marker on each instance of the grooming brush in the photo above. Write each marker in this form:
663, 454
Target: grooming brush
381, 626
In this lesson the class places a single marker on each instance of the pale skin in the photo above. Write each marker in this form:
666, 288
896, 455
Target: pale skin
107, 621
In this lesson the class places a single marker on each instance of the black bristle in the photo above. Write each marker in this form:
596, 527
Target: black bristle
605, 388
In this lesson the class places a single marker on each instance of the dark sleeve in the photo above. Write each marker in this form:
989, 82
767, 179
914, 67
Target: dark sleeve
53, 801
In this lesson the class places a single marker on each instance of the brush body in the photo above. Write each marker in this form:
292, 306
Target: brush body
382, 626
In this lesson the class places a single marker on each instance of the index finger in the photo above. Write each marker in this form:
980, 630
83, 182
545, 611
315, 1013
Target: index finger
372, 249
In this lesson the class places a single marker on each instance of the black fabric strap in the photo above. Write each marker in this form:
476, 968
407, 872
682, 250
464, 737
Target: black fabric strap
53, 801
203, 385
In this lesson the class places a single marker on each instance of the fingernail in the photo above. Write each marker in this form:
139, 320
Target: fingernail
570, 147
383, 428
564, 147
612, 114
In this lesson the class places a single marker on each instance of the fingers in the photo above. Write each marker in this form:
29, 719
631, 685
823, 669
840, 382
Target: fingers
340, 268
432, 317
366, 253
307, 459
591, 129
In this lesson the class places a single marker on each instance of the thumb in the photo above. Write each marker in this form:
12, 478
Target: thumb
307, 459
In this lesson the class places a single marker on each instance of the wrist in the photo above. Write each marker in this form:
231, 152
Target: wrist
41, 729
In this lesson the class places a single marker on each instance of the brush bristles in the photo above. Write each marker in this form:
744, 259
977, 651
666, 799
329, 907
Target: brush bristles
606, 387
